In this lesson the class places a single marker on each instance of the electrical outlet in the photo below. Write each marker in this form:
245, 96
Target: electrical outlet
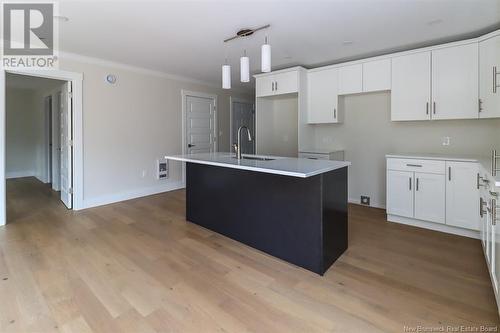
446, 141
365, 200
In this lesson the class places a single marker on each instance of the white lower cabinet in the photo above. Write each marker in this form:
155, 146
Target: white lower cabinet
462, 195
430, 197
400, 193
445, 193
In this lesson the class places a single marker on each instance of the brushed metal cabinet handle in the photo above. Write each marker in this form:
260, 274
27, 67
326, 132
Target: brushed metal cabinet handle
276, 85
449, 173
335, 113
477, 180
410, 183
434, 107
414, 165
427, 108
416, 188
495, 79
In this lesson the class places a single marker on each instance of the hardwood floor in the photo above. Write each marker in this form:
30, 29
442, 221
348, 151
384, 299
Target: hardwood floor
137, 266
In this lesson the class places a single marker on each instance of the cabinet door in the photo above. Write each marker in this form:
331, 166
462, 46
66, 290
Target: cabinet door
377, 75
430, 197
462, 195
351, 79
411, 87
322, 96
264, 86
455, 82
400, 193
287, 82
489, 66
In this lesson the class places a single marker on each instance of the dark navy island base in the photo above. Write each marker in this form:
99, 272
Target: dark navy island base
300, 220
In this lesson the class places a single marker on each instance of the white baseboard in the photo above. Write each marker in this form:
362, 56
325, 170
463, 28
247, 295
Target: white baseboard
434, 226
372, 204
143, 192
19, 174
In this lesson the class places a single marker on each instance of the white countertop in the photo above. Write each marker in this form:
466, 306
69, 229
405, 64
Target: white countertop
483, 160
287, 166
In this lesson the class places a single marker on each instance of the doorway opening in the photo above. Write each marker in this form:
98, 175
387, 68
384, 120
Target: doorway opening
38, 145
242, 113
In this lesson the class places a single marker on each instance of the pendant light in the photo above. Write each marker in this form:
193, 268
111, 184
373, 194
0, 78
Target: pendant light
265, 58
226, 76
245, 68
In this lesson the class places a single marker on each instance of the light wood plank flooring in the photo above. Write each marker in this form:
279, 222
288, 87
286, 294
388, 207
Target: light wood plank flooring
138, 266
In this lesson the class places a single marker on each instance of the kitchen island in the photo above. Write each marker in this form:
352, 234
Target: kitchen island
294, 209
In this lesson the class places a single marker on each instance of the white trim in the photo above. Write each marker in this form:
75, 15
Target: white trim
142, 70
128, 195
391, 55
184, 94
76, 80
243, 101
47, 119
20, 174
434, 226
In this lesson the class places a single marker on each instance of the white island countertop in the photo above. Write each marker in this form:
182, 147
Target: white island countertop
286, 166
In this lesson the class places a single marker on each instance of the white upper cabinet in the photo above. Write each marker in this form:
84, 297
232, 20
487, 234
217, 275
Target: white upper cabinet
322, 96
277, 84
411, 87
377, 75
489, 77
455, 80
462, 195
351, 79
264, 86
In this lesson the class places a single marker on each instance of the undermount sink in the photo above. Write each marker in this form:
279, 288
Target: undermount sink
257, 158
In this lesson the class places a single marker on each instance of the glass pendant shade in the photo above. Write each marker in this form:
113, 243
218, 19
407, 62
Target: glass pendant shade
226, 77
245, 69
266, 58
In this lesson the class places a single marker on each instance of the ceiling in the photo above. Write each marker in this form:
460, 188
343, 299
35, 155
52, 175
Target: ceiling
185, 37
31, 82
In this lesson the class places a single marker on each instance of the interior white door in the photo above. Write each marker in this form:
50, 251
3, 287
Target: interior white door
430, 197
322, 96
411, 87
243, 115
489, 77
400, 193
455, 82
462, 195
200, 124
56, 142
66, 145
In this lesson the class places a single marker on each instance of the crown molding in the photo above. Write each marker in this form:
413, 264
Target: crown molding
142, 70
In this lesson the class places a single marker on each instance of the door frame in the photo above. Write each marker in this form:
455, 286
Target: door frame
48, 136
245, 101
77, 106
184, 95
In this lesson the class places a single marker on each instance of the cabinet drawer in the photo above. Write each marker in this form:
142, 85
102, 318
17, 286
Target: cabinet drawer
408, 164
314, 156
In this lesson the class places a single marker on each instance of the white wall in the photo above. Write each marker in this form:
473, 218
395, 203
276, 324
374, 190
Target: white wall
367, 134
21, 133
127, 126
277, 126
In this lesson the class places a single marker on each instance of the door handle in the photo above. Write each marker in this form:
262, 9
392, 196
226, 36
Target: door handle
191, 145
